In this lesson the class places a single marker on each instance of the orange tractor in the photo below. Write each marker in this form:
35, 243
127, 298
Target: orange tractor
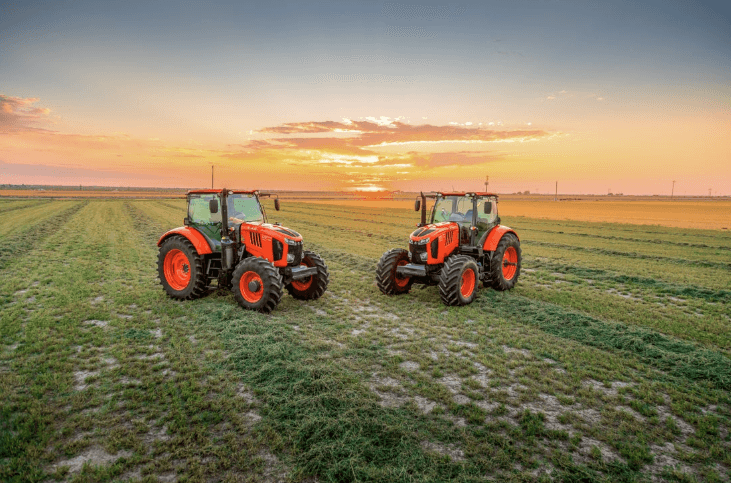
226, 238
462, 244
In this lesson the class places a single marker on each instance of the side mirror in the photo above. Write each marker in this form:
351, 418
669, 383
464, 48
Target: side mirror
417, 205
213, 206
488, 207
276, 204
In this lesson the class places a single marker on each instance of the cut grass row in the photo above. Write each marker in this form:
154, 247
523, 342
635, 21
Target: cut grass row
29, 231
649, 232
12, 205
13, 222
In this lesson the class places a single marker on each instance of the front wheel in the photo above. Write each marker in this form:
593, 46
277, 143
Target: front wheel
386, 278
505, 264
458, 280
314, 286
257, 285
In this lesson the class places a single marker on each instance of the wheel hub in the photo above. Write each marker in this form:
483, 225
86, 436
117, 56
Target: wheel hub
254, 286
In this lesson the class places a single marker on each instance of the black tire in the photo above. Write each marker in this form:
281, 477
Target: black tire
317, 283
386, 278
498, 278
191, 269
269, 291
456, 285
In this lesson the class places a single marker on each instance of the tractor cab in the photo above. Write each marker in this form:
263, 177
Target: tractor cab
467, 210
206, 211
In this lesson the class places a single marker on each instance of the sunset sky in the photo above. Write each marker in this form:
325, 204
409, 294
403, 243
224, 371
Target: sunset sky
596, 95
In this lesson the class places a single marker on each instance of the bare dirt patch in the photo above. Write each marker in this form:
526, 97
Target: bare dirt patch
448, 450
97, 323
80, 378
94, 455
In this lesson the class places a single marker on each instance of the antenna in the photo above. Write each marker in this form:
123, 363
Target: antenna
487, 182
672, 193
212, 176
555, 197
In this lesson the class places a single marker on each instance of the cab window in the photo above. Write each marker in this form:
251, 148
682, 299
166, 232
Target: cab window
244, 208
486, 220
199, 209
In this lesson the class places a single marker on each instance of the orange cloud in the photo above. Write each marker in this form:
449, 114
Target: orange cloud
371, 133
17, 114
460, 158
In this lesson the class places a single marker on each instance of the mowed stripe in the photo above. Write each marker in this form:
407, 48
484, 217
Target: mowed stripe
103, 364
15, 221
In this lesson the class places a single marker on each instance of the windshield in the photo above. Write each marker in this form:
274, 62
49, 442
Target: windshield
453, 208
459, 209
199, 210
244, 208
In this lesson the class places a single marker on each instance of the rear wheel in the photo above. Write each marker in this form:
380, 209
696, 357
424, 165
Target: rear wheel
458, 280
180, 269
314, 286
505, 264
386, 278
257, 285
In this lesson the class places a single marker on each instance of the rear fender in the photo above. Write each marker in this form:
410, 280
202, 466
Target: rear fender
194, 236
494, 236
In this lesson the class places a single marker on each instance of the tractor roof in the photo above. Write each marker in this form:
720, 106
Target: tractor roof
194, 192
464, 193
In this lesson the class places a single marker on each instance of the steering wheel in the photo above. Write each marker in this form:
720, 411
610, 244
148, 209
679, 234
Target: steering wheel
456, 216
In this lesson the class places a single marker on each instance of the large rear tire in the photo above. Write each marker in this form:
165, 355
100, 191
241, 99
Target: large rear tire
257, 285
505, 264
314, 286
458, 280
180, 269
388, 282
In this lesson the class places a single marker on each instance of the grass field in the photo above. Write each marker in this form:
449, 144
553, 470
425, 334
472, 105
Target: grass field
610, 361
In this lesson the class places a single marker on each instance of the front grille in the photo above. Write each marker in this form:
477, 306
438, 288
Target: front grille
416, 250
277, 250
296, 250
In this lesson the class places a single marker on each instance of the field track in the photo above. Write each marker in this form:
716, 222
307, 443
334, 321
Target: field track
610, 361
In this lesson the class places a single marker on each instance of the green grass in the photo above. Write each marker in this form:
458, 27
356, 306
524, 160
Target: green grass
608, 362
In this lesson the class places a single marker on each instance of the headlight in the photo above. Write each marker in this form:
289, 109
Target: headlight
290, 258
425, 241
291, 242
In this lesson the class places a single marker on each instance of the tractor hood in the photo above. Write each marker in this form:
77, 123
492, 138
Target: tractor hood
432, 243
276, 243
432, 231
277, 232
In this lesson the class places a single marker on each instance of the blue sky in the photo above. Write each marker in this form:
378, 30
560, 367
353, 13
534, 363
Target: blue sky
213, 72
